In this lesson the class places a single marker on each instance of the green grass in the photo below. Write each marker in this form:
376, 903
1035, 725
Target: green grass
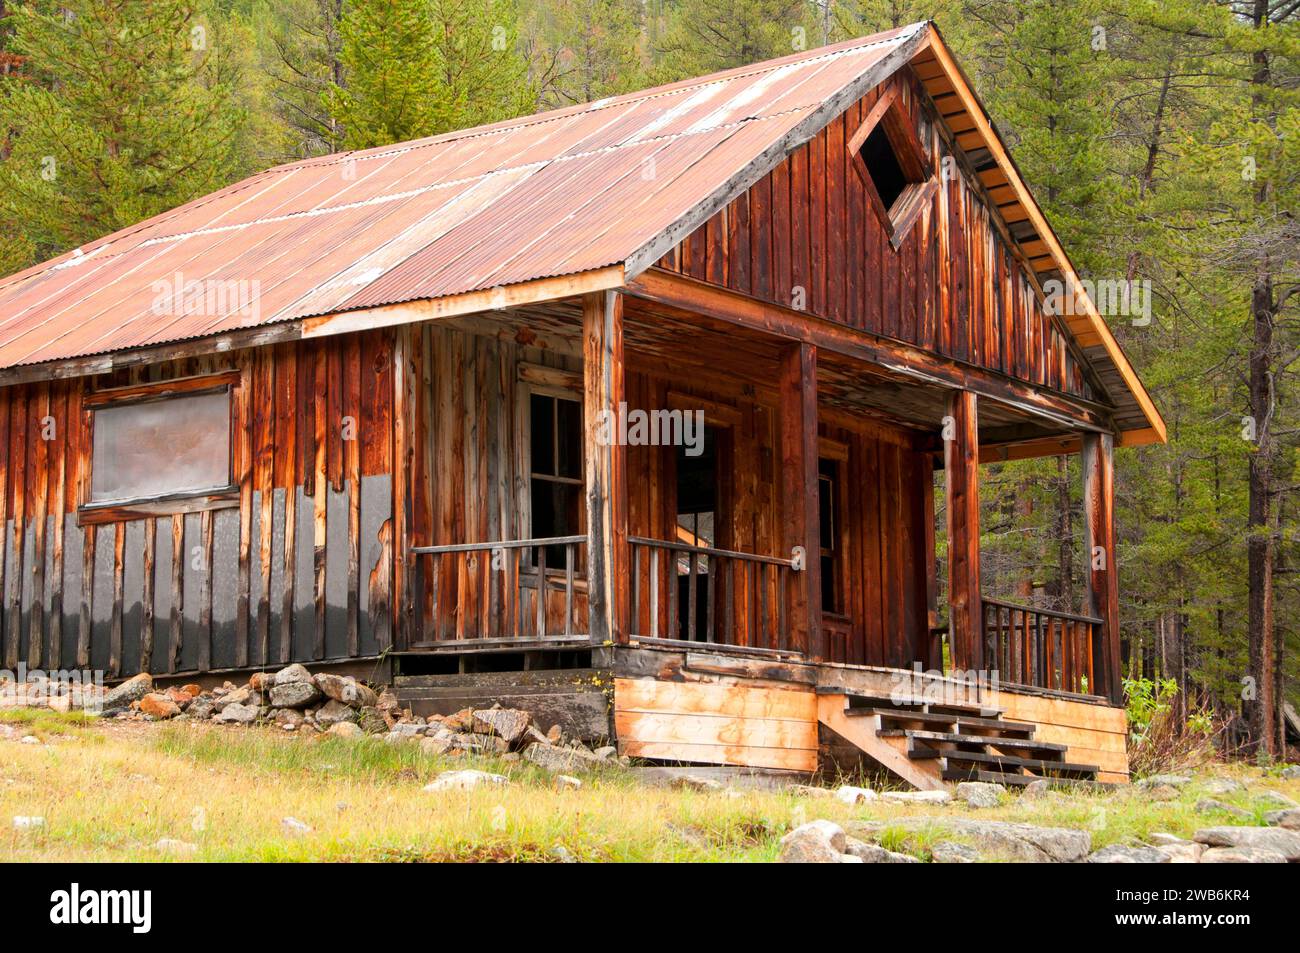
109, 791
44, 721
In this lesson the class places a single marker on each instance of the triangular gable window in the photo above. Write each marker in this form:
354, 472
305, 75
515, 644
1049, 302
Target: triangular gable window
892, 166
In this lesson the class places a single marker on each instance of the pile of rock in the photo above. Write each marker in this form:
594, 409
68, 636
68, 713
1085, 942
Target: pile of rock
292, 699
508, 733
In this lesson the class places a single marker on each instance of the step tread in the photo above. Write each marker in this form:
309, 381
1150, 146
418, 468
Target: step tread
1022, 780
879, 701
1027, 744
1032, 764
970, 721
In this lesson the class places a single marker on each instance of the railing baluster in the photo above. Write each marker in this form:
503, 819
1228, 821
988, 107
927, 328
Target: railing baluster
1092, 685
674, 584
486, 598
729, 625
508, 623
783, 581
568, 589
540, 630
711, 595
638, 555
762, 608
654, 593
417, 620
1027, 640
690, 597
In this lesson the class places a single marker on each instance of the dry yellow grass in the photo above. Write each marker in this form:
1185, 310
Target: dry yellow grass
111, 791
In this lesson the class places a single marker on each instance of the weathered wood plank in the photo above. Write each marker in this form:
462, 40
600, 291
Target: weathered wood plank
961, 468
606, 499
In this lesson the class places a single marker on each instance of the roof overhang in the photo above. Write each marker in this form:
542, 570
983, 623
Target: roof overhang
974, 130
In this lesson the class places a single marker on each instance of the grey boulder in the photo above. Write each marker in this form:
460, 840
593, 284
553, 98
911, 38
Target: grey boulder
1120, 854
1276, 839
817, 842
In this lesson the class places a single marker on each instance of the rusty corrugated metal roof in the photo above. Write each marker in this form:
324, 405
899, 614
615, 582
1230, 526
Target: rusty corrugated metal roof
541, 196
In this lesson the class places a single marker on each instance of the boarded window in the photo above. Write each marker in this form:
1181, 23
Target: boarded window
165, 447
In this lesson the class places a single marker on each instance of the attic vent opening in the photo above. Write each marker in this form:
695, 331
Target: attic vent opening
883, 167
892, 166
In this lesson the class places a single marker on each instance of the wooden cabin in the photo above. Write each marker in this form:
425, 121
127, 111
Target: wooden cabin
629, 413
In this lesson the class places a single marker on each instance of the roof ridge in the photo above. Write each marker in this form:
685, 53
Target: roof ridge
654, 92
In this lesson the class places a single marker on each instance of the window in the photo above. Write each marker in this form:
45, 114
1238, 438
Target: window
160, 443
555, 470
828, 498
892, 165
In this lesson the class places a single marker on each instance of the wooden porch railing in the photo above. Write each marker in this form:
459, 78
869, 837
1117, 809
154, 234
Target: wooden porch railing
491, 591
700, 594
1041, 648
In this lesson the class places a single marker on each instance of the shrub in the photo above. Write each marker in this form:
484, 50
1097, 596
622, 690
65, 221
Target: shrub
1159, 739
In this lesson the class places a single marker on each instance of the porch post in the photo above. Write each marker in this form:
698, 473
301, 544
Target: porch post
961, 456
1103, 579
801, 525
606, 497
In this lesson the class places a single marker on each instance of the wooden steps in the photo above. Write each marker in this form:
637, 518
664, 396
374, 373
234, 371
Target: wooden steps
1023, 780
928, 744
922, 706
962, 741
1040, 767
895, 716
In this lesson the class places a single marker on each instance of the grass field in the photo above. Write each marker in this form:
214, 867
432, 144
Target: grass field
109, 791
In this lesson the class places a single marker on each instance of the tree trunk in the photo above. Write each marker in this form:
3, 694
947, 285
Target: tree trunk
1259, 545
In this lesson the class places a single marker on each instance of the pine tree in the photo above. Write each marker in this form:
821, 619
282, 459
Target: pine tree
414, 68
124, 109
583, 50
704, 36
389, 73
481, 75
299, 50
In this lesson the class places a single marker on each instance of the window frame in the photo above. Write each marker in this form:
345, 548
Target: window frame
90, 512
888, 113
558, 384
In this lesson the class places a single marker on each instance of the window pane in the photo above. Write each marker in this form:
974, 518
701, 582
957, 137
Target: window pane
542, 434
826, 509
161, 447
568, 420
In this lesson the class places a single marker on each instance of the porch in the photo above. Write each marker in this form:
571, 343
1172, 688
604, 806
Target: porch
539, 519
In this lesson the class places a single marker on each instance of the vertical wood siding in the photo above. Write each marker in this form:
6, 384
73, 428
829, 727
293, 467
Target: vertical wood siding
300, 570
953, 287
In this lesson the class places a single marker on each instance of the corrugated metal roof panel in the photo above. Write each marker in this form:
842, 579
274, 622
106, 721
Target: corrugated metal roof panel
529, 198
